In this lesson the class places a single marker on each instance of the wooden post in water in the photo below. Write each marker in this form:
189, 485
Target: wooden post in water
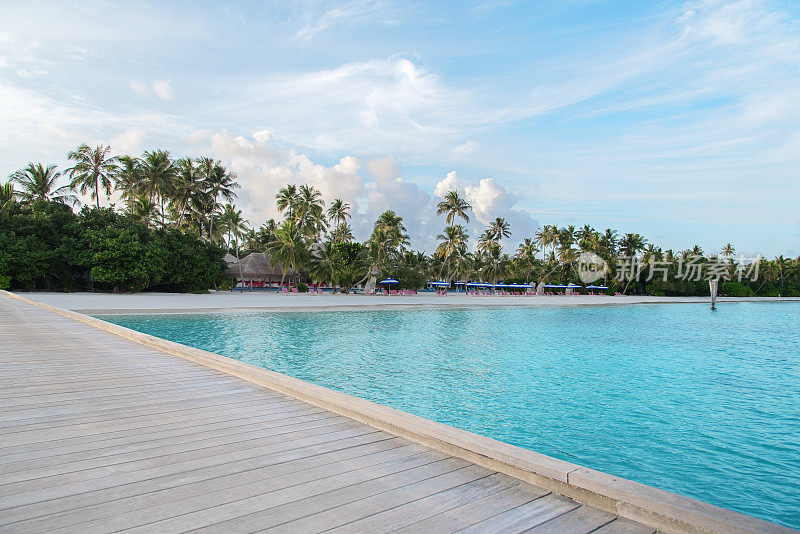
713, 285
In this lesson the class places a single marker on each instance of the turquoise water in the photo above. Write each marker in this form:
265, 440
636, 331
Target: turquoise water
705, 404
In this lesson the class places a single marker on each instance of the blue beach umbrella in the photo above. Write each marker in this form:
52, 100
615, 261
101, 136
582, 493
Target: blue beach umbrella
389, 281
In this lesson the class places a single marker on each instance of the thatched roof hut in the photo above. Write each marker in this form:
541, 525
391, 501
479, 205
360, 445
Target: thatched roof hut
231, 259
256, 266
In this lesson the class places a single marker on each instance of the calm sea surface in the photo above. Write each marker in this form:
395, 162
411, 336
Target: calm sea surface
705, 404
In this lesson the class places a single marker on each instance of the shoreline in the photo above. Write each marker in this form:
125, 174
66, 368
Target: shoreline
229, 302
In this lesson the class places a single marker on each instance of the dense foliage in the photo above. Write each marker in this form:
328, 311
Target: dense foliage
174, 228
45, 245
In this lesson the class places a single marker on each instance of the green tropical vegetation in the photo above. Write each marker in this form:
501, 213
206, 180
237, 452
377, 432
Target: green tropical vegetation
178, 219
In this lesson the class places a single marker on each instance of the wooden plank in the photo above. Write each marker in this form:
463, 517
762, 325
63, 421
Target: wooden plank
84, 484
116, 458
401, 506
163, 486
581, 520
132, 413
624, 526
300, 464
445, 511
189, 434
234, 515
524, 517
466, 515
182, 454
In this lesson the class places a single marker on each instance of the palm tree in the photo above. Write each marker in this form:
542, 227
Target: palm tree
485, 240
499, 229
338, 213
157, 172
309, 212
186, 185
545, 238
289, 249
286, 200
342, 233
232, 223
609, 240
144, 210
728, 250
566, 236
323, 264
631, 244
496, 263
128, 180
453, 239
93, 170
526, 255
454, 206
38, 182
219, 184
7, 195
392, 225
266, 234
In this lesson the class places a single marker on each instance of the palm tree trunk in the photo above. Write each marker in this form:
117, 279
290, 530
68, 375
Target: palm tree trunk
97, 190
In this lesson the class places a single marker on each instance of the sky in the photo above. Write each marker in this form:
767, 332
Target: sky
678, 120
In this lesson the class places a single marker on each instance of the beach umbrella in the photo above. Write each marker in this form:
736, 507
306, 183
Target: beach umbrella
388, 281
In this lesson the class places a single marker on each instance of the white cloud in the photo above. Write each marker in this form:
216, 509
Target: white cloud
128, 142
140, 88
163, 89
262, 169
489, 200
463, 150
160, 88
376, 106
343, 14
449, 183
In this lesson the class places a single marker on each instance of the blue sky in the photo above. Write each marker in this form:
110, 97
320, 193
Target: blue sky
678, 120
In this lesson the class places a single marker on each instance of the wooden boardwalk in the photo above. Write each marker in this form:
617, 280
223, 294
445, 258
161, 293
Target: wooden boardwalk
102, 434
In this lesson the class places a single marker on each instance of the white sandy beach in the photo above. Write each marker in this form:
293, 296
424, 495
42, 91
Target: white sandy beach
235, 301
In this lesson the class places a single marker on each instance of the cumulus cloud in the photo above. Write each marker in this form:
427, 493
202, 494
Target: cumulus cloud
370, 187
262, 169
489, 200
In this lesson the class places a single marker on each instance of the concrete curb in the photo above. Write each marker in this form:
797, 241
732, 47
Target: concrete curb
662, 510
